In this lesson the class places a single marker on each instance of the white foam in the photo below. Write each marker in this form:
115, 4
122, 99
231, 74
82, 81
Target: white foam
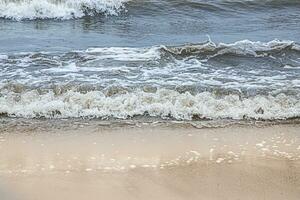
3, 57
59, 9
164, 103
67, 68
126, 54
296, 47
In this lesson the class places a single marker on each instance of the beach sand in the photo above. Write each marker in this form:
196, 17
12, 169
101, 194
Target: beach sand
150, 162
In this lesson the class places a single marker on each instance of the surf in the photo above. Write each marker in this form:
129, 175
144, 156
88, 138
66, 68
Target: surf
58, 9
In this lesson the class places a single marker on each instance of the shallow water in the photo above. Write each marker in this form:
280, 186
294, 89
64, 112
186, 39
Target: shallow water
184, 60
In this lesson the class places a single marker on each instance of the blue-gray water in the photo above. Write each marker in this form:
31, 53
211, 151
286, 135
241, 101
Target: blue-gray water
153, 22
182, 59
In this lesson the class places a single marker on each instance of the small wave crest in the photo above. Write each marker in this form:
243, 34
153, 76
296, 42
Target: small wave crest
243, 47
58, 9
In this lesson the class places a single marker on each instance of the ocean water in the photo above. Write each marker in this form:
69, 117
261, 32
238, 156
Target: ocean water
168, 59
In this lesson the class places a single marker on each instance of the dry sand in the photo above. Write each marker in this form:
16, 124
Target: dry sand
150, 162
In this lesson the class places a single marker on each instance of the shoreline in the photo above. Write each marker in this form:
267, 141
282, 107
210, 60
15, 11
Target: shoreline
146, 162
35, 125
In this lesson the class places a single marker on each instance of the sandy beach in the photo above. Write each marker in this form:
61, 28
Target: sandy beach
150, 162
149, 100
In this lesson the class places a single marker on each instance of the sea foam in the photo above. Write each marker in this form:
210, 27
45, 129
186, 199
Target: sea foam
163, 103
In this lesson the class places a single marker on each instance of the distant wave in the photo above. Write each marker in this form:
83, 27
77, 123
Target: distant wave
68, 9
58, 9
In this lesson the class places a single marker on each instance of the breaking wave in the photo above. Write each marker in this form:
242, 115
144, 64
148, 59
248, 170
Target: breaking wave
58, 9
68, 9
162, 103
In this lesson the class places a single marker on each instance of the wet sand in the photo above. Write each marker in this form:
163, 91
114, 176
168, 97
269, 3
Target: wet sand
150, 162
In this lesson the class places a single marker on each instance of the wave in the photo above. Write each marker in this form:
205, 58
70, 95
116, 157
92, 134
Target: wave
58, 9
69, 9
209, 49
162, 103
243, 47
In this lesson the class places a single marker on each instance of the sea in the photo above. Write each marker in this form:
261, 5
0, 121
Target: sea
180, 60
